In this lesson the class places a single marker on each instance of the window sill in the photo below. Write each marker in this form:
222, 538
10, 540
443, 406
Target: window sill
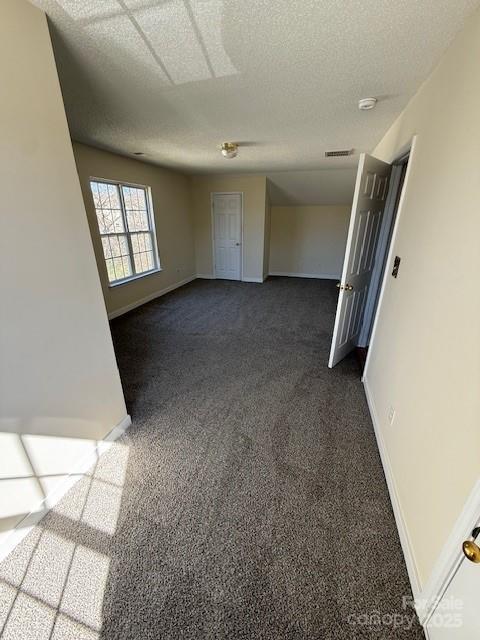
118, 283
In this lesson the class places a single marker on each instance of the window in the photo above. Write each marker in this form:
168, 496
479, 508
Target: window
125, 222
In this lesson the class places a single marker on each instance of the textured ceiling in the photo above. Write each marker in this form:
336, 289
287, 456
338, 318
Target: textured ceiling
175, 78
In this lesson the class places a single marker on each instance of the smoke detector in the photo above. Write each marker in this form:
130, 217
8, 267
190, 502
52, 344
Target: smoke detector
365, 104
229, 149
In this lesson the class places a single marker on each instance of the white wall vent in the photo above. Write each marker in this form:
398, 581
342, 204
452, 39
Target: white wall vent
339, 153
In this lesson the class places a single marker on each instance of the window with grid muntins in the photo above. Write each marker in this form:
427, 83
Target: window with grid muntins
126, 229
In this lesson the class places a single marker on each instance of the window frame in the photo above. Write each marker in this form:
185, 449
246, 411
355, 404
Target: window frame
151, 223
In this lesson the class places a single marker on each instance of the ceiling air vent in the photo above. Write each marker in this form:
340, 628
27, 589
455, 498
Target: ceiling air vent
339, 153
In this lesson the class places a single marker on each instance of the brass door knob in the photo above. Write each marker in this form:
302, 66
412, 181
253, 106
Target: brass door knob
339, 286
348, 287
471, 551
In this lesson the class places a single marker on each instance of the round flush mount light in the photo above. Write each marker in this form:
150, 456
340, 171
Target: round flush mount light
365, 104
229, 149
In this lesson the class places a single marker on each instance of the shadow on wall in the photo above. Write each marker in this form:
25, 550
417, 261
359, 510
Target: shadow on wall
53, 584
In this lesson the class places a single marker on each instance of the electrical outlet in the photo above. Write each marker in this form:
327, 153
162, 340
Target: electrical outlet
391, 415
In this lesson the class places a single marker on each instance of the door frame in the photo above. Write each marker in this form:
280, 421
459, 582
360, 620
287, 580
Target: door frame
386, 234
212, 224
409, 149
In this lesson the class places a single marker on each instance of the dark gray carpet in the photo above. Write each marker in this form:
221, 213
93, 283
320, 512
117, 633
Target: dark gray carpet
247, 500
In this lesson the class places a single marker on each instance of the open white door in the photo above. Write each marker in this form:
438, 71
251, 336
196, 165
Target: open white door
366, 218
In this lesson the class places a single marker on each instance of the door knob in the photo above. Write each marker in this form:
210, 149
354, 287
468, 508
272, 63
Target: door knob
471, 551
237, 244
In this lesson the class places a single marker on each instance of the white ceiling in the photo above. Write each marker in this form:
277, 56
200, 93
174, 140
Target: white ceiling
175, 78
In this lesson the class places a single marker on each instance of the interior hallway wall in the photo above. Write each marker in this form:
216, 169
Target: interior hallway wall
267, 235
253, 188
308, 240
59, 383
425, 355
173, 223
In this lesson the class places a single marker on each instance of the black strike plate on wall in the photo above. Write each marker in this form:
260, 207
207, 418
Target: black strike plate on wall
396, 266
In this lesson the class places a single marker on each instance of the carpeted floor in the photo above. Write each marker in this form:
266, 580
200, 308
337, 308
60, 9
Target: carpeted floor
247, 500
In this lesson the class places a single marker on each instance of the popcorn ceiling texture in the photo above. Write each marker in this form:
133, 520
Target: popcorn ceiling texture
176, 78
246, 501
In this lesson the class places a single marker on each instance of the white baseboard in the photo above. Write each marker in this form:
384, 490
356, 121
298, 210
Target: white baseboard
394, 497
318, 276
158, 294
152, 296
204, 276
23, 528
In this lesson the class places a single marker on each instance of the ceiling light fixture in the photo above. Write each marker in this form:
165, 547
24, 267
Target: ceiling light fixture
365, 104
229, 149
138, 153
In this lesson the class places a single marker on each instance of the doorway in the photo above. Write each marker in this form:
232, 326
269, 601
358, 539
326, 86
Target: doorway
397, 181
378, 190
227, 229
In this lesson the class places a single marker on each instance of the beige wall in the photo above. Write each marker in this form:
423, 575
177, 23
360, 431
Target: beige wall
254, 196
173, 223
309, 240
58, 374
425, 358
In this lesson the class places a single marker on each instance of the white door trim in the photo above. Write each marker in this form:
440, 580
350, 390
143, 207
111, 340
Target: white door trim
381, 253
388, 263
212, 225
